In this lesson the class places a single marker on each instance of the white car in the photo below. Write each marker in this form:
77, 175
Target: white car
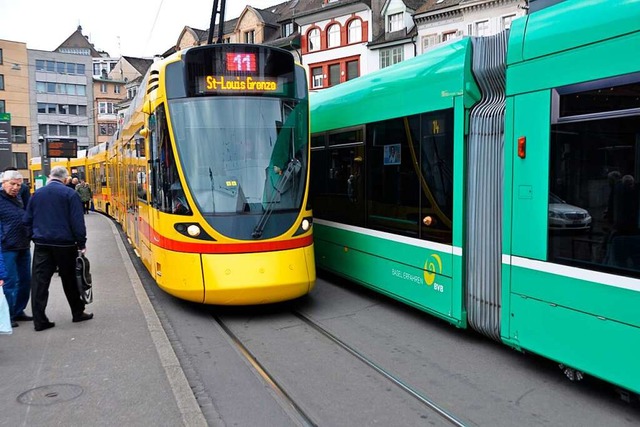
565, 216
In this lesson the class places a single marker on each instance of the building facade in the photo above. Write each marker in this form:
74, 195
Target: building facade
108, 94
439, 21
14, 101
61, 97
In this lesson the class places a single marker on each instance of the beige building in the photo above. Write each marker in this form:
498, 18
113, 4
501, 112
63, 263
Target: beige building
108, 94
14, 99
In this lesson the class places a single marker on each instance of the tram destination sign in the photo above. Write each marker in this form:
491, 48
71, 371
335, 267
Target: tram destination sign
62, 148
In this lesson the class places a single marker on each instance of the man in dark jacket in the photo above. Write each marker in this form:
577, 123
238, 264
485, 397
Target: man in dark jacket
16, 247
56, 223
25, 191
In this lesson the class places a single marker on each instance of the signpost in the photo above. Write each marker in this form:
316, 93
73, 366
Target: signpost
56, 148
6, 153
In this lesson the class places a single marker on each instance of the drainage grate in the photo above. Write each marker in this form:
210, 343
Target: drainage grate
50, 394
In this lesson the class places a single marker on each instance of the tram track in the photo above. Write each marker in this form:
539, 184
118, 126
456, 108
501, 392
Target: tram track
380, 370
288, 401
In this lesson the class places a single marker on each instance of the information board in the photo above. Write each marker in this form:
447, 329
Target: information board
62, 148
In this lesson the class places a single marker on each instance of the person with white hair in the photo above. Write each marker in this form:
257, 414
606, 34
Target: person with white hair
56, 222
16, 247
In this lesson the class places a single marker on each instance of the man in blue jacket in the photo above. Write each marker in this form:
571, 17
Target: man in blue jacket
16, 247
55, 219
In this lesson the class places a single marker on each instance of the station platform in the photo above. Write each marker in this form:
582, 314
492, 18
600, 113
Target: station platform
117, 369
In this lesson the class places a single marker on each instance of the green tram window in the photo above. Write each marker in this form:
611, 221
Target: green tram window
594, 200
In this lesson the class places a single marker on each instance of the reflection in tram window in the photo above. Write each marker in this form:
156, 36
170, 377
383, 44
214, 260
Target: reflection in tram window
593, 165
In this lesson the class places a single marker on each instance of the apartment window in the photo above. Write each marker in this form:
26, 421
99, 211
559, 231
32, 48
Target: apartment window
288, 29
107, 128
71, 68
333, 34
394, 22
482, 28
1, 57
103, 88
334, 74
20, 160
506, 21
61, 67
353, 70
1, 81
73, 130
63, 109
18, 134
105, 107
116, 89
3, 106
250, 37
80, 69
448, 36
429, 41
355, 31
391, 56
314, 39
317, 80
40, 65
51, 66
52, 108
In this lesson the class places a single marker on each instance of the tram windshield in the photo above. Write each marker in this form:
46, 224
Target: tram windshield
242, 155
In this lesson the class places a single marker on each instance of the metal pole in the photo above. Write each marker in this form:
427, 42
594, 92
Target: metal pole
213, 21
44, 159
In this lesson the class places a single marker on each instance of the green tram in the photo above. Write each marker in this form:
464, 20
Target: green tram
491, 182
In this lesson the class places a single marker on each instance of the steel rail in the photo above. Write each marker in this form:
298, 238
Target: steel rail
398, 382
290, 406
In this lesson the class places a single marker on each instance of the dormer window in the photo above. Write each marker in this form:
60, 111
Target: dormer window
250, 37
394, 22
288, 29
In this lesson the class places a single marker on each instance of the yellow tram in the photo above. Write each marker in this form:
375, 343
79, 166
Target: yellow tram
209, 175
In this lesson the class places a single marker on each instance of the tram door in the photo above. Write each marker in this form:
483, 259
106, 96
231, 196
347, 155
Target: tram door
131, 194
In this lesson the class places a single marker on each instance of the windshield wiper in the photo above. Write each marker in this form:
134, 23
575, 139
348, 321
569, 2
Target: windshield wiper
293, 167
213, 195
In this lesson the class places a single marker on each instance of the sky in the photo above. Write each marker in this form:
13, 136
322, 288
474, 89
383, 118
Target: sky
138, 28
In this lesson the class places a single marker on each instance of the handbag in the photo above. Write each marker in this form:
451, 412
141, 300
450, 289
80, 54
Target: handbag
5, 317
83, 278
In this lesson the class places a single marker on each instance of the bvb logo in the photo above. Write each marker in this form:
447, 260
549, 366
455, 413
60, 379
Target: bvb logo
432, 266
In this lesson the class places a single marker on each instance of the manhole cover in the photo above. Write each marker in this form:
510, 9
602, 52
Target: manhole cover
50, 394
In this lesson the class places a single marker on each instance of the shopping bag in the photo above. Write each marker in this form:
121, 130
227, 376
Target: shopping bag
5, 317
83, 278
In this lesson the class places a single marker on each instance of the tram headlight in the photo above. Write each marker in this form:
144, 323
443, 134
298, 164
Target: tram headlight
193, 230
305, 224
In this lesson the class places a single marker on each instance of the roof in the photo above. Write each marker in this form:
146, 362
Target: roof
140, 64
79, 41
433, 5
